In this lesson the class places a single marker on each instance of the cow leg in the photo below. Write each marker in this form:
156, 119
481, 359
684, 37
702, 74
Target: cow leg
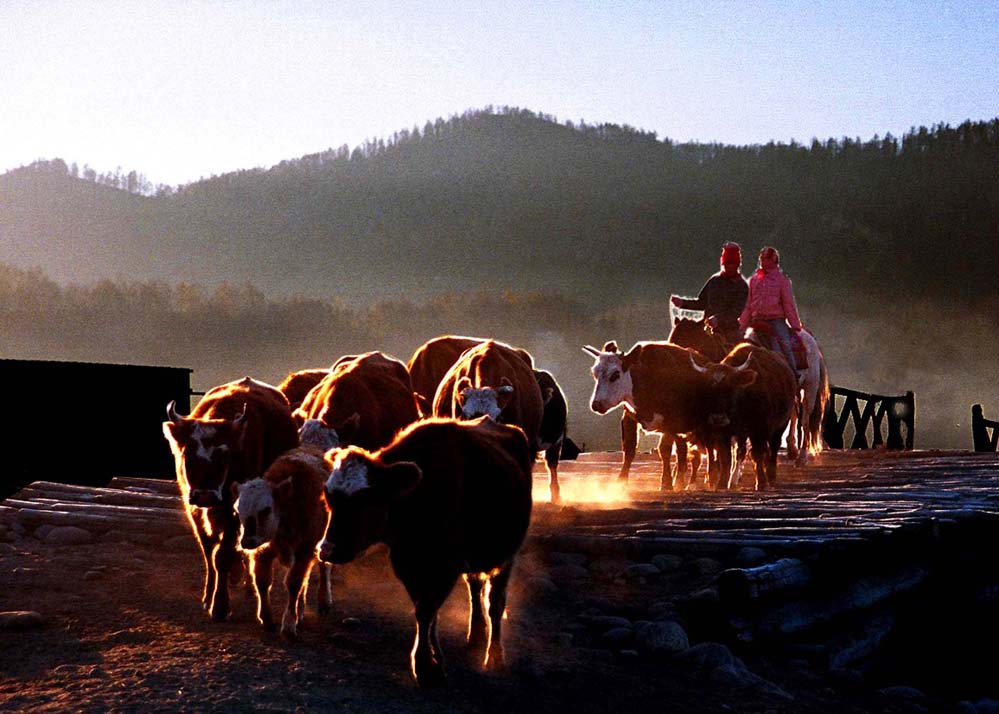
207, 546
325, 589
668, 477
695, 464
478, 630
223, 557
261, 571
724, 463
760, 456
629, 443
552, 454
426, 659
740, 459
772, 458
297, 583
497, 606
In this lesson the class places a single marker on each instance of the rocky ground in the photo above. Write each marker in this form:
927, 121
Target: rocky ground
114, 623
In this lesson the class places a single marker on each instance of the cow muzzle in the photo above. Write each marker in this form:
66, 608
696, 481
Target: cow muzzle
599, 407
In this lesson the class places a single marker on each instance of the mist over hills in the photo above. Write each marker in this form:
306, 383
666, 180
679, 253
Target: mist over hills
508, 199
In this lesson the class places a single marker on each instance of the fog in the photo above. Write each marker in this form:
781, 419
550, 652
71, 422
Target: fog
225, 332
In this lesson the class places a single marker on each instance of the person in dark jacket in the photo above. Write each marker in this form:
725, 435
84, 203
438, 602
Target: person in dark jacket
723, 297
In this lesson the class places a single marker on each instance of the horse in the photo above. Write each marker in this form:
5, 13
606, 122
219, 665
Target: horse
804, 437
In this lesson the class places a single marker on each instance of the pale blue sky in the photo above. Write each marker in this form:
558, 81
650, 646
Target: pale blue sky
180, 90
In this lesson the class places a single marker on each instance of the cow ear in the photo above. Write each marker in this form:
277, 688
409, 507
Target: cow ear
745, 377
463, 384
398, 479
610, 346
299, 416
547, 394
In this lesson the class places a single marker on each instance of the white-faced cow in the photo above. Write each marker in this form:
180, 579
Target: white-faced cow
751, 394
234, 433
283, 516
657, 384
450, 499
366, 399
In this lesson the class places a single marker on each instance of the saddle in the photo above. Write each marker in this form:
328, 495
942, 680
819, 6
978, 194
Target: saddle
767, 337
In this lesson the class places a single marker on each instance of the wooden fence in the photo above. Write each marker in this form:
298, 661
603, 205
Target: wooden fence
984, 432
878, 412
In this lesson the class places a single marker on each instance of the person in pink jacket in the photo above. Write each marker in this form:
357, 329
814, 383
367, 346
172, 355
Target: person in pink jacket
771, 300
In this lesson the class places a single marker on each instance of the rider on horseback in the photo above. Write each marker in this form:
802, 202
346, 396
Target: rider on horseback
771, 301
723, 297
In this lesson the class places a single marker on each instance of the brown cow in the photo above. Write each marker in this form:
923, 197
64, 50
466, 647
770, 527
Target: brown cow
431, 361
751, 395
449, 498
297, 384
657, 383
366, 399
492, 379
234, 433
282, 515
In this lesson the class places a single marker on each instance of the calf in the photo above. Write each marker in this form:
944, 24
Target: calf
234, 433
282, 516
366, 399
449, 498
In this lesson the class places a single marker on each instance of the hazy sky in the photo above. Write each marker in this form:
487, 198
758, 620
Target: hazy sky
180, 90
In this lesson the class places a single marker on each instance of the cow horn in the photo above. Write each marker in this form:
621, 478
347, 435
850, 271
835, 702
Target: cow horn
240, 417
592, 351
172, 414
744, 364
699, 368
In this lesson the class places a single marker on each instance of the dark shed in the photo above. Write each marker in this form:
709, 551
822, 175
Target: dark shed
84, 423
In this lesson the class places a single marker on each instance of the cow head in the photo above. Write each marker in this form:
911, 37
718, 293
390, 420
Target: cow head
484, 401
724, 386
613, 380
255, 506
203, 451
359, 494
314, 432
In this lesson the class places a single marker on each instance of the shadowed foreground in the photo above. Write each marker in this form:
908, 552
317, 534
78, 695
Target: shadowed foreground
623, 599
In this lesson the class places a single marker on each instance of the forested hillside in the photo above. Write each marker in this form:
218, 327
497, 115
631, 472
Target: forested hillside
509, 224
509, 199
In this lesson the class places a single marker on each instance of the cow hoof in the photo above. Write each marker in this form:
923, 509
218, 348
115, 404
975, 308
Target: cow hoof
220, 615
290, 634
432, 678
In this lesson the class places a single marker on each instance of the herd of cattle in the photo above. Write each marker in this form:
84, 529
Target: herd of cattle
434, 459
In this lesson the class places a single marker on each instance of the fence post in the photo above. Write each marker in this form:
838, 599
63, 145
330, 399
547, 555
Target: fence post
979, 432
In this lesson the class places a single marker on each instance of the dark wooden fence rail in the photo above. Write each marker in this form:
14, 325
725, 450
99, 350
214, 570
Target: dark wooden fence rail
878, 410
984, 432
